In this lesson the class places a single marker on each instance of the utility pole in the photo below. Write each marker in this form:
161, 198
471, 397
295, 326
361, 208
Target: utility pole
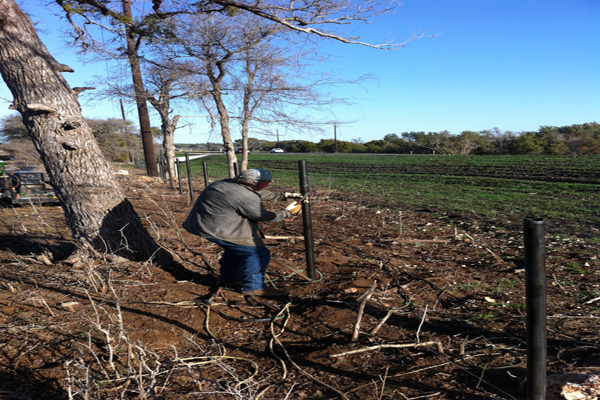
278, 139
334, 138
138, 87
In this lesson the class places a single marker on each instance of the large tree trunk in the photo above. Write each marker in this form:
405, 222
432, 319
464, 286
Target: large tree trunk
100, 217
140, 98
245, 126
225, 132
168, 130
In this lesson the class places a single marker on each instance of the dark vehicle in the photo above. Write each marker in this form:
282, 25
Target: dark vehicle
240, 150
25, 187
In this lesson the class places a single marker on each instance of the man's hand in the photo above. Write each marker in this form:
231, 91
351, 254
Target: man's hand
294, 208
291, 195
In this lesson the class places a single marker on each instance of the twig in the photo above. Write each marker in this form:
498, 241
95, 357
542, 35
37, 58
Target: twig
298, 367
438, 299
380, 324
470, 237
20, 220
501, 261
387, 346
361, 310
422, 369
422, 241
421, 324
362, 386
400, 216
423, 397
592, 300
283, 366
284, 237
481, 377
383, 384
559, 285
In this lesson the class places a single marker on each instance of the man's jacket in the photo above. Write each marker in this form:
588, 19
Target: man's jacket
230, 211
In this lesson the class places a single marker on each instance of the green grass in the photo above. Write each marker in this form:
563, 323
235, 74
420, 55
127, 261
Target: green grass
558, 188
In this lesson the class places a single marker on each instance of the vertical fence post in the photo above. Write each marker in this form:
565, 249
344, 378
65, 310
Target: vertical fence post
535, 290
307, 221
189, 174
236, 172
205, 171
179, 175
168, 173
160, 166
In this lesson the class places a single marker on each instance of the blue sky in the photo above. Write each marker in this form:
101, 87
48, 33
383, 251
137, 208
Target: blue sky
514, 65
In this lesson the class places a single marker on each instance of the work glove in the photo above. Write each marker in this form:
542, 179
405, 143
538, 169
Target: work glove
294, 207
291, 195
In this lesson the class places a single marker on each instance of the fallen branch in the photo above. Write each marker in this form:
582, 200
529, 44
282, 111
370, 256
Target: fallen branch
501, 261
383, 383
422, 369
361, 310
592, 300
342, 395
421, 324
559, 285
421, 397
422, 241
389, 346
380, 324
285, 237
470, 237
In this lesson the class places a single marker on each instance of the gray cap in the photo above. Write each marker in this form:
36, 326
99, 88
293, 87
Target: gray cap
254, 176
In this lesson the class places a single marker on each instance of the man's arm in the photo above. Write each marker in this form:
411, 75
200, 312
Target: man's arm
278, 196
266, 195
253, 209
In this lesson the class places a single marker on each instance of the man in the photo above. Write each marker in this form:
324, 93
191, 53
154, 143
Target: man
227, 213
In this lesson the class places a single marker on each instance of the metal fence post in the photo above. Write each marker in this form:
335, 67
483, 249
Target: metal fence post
179, 175
307, 221
535, 290
161, 169
205, 171
189, 173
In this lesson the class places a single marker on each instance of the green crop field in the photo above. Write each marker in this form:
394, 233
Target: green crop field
562, 189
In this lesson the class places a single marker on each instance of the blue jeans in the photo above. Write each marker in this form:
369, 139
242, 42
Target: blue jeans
245, 264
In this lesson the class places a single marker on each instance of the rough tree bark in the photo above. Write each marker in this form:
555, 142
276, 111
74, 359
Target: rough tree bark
168, 127
102, 220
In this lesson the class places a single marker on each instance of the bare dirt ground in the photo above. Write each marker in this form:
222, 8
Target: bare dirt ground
452, 288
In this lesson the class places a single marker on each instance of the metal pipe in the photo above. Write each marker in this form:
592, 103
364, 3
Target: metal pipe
179, 175
189, 174
236, 172
205, 171
535, 290
307, 221
169, 173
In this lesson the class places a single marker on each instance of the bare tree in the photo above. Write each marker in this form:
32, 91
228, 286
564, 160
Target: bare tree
166, 82
324, 18
216, 47
255, 72
170, 81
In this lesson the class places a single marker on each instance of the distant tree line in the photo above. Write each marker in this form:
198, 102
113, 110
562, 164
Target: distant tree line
578, 139
119, 140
